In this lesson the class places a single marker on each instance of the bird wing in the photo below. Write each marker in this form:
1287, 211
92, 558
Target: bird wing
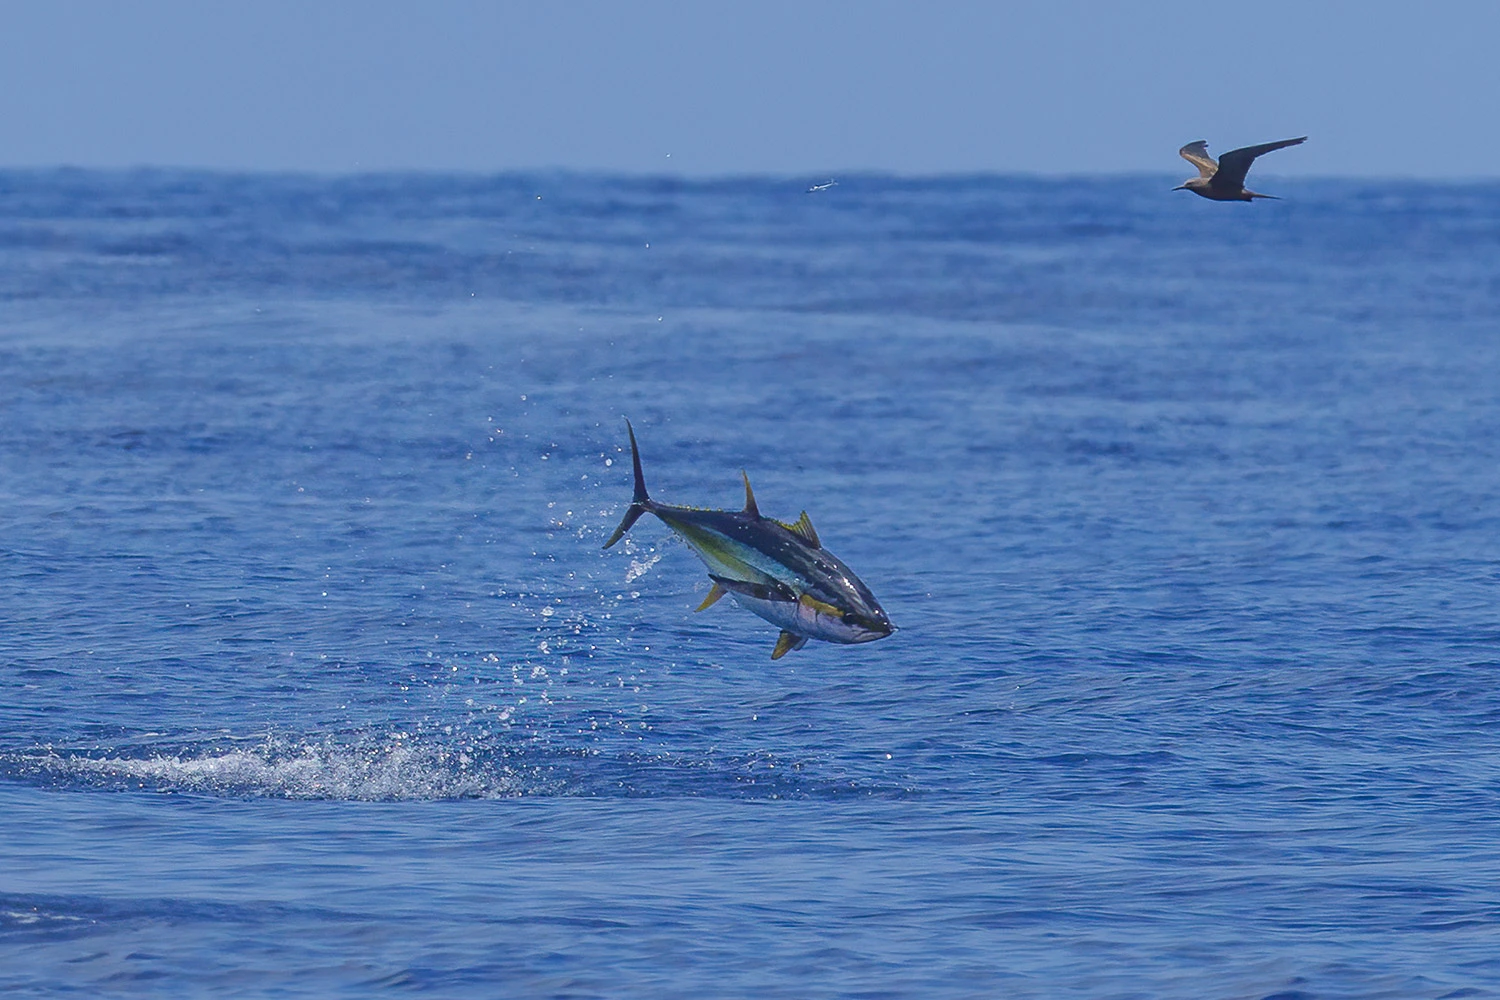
1196, 153
1235, 164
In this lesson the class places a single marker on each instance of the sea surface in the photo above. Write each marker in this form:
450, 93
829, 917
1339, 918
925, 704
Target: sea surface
316, 682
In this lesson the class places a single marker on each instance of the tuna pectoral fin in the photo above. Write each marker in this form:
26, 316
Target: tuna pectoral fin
714, 593
788, 642
760, 591
816, 606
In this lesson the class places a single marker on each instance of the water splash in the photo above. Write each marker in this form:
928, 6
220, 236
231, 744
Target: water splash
640, 567
276, 769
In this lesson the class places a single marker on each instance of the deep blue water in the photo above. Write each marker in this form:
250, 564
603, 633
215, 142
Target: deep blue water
317, 683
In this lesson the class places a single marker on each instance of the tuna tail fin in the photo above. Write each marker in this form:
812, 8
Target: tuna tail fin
639, 503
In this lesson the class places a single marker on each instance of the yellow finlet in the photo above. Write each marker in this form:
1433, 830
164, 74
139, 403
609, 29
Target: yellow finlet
714, 593
786, 643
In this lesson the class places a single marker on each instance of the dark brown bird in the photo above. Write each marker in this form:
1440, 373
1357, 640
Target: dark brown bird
1225, 180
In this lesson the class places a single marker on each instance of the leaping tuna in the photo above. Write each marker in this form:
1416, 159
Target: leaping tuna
781, 572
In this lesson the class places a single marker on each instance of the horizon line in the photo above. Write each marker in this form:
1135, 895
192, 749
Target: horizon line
774, 176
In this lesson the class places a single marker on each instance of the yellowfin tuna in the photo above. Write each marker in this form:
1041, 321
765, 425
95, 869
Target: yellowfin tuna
781, 572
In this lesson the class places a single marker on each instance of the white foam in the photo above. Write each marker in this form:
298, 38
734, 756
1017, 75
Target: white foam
24, 918
373, 773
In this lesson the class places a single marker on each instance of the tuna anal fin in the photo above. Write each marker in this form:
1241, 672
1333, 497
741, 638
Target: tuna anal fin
714, 593
788, 642
804, 528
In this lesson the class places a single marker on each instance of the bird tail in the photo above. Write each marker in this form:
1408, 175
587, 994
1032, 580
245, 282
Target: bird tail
1256, 194
639, 503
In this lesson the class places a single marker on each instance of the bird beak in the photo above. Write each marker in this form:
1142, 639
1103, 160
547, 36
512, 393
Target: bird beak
1180, 187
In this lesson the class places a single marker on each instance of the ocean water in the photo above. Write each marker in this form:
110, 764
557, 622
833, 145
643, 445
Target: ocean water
315, 681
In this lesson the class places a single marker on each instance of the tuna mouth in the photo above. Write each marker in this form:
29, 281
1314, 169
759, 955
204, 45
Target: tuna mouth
874, 628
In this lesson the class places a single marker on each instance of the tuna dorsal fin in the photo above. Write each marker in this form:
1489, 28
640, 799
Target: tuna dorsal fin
750, 507
804, 528
714, 593
786, 643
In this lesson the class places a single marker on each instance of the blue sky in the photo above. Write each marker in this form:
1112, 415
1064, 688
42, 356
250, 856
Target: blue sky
706, 88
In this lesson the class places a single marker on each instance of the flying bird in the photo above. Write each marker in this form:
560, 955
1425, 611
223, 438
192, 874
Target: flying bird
781, 572
1225, 180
